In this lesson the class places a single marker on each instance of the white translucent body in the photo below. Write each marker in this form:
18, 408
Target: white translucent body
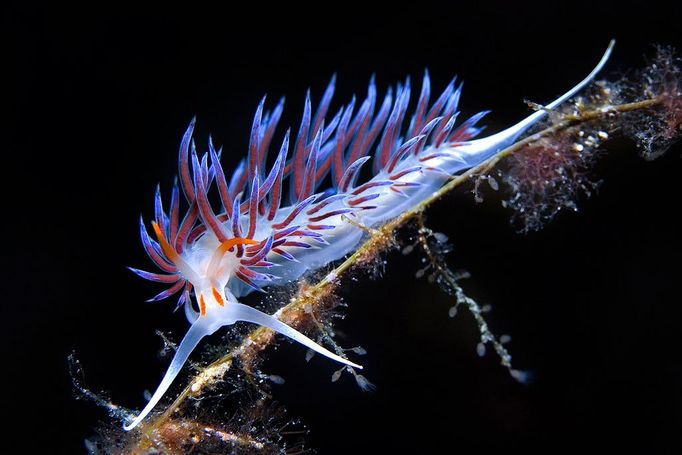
197, 266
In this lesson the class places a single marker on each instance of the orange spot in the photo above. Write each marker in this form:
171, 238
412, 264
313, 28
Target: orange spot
228, 244
202, 304
218, 297
224, 247
168, 250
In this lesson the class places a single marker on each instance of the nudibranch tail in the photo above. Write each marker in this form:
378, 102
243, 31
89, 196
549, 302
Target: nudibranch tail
490, 145
196, 332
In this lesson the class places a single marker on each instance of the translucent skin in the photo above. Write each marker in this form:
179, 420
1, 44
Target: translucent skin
314, 231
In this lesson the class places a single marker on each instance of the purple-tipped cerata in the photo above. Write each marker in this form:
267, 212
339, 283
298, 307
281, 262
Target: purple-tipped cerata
252, 239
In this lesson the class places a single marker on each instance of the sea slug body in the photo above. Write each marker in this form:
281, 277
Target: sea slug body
212, 257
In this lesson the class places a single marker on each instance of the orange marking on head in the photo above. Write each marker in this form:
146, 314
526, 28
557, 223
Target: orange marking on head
168, 250
228, 244
224, 248
202, 304
218, 297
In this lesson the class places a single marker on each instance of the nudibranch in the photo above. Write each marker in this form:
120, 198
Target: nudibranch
213, 256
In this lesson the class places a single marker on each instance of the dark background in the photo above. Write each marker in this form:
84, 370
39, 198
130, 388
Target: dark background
98, 98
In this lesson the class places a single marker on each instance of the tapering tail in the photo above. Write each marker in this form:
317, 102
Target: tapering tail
479, 150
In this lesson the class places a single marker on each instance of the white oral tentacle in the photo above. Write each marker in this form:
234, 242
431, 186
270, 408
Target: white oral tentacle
241, 312
196, 332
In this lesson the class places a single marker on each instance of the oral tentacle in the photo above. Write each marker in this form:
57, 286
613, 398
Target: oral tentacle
199, 329
241, 312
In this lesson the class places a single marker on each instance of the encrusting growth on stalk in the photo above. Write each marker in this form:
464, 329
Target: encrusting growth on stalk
549, 174
435, 247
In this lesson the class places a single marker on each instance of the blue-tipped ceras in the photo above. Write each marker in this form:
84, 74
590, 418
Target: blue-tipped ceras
254, 240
